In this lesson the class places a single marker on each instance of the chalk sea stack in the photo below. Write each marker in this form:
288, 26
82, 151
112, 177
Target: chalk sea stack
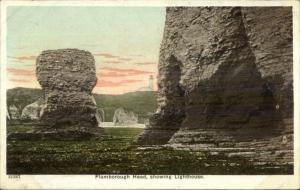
67, 77
225, 81
124, 117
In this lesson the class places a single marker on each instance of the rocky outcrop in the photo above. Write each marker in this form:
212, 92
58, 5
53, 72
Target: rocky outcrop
101, 114
67, 77
7, 114
32, 111
13, 113
260, 146
123, 117
224, 75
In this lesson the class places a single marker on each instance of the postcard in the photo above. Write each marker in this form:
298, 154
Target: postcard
150, 94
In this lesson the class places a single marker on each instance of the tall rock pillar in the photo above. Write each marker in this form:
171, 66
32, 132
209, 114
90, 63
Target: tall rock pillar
67, 77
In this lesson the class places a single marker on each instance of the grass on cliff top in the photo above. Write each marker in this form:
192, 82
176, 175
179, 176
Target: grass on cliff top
115, 153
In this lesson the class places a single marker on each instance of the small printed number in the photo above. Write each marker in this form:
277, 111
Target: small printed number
14, 176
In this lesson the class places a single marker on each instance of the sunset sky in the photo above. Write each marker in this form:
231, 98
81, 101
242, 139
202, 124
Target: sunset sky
124, 41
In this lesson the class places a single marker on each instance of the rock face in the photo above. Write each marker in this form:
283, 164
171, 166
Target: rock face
7, 114
270, 35
67, 77
225, 73
124, 117
13, 113
32, 111
101, 114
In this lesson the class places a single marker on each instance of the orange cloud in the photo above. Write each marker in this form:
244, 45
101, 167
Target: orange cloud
124, 59
119, 59
106, 55
146, 63
27, 57
113, 62
24, 58
127, 72
111, 74
106, 83
20, 80
23, 72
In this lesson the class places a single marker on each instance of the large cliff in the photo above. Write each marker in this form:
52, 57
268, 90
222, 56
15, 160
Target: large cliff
225, 80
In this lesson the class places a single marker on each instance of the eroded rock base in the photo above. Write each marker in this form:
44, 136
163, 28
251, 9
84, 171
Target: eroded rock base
162, 126
260, 145
154, 136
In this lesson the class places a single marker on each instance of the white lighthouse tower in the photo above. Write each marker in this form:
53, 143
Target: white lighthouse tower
150, 86
151, 83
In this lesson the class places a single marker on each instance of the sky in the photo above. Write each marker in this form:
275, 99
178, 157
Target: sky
125, 42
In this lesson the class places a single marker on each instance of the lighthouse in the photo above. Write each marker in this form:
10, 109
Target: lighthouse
149, 87
151, 83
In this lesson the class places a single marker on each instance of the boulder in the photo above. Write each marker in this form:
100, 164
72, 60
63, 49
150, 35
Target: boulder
13, 113
32, 111
67, 77
123, 117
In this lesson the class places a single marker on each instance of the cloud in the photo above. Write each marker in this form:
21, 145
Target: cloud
111, 74
117, 58
106, 55
106, 83
133, 59
146, 63
18, 72
24, 58
128, 71
117, 72
20, 80
124, 59
137, 55
113, 62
